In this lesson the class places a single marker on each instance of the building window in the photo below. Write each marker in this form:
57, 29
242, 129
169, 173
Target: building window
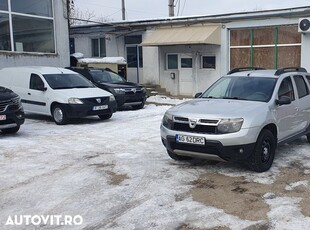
29, 25
132, 56
98, 47
186, 63
5, 42
132, 46
3, 5
208, 62
268, 47
172, 61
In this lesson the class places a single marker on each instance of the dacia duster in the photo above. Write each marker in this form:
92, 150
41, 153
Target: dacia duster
242, 117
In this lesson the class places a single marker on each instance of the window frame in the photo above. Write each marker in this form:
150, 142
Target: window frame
207, 55
167, 61
31, 16
99, 39
140, 55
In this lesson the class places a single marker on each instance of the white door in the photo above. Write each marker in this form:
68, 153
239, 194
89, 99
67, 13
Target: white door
186, 75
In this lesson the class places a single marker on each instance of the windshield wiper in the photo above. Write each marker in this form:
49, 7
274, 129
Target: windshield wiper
234, 98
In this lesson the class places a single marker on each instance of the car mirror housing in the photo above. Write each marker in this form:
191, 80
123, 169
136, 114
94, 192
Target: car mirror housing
198, 95
284, 100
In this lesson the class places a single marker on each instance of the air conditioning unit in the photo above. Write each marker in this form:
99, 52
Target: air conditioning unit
304, 25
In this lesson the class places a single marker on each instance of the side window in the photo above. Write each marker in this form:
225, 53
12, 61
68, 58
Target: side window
302, 88
286, 89
36, 82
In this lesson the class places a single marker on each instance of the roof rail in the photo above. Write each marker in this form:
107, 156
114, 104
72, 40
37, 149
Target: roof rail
290, 69
236, 70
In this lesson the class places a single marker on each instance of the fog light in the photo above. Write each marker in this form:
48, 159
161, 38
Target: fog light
241, 150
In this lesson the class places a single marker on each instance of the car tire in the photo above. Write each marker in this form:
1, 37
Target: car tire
59, 115
178, 157
10, 130
105, 116
136, 107
264, 151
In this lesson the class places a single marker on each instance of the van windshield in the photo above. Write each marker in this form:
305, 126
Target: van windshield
67, 81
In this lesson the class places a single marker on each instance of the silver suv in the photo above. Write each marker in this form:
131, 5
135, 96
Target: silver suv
242, 117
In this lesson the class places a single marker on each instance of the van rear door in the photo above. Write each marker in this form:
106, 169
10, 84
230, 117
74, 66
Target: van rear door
36, 98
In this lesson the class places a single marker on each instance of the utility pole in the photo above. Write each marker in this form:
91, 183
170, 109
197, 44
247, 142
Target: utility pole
171, 8
123, 10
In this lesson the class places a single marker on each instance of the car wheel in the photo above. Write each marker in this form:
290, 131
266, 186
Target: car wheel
10, 130
178, 157
264, 151
138, 106
59, 115
105, 116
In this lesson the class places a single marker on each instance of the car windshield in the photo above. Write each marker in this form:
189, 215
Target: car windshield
67, 81
242, 88
103, 76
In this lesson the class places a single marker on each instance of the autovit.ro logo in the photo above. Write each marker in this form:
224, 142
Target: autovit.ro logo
37, 220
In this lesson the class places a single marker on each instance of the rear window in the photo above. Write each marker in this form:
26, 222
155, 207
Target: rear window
67, 81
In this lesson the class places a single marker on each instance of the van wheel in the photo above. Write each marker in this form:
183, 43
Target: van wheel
10, 130
105, 116
178, 157
59, 115
264, 151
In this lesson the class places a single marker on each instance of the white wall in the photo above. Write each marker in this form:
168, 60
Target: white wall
62, 56
305, 51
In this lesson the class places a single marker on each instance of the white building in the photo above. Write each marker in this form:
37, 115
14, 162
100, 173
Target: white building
185, 55
34, 32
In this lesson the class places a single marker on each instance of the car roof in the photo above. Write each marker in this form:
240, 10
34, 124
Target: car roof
41, 69
270, 73
255, 73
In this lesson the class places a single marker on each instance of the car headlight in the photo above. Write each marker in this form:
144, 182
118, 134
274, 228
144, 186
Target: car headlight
143, 90
112, 98
167, 121
229, 125
119, 91
74, 100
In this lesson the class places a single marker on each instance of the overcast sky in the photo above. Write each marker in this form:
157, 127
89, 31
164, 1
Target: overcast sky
142, 9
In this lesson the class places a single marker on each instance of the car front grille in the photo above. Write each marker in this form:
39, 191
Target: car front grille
204, 126
96, 100
131, 91
12, 104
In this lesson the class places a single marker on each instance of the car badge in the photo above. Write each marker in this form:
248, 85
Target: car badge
192, 123
98, 100
134, 90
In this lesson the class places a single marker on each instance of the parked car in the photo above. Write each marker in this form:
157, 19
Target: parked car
11, 111
242, 117
126, 93
58, 92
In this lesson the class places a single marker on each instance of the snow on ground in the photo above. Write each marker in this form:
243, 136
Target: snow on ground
116, 175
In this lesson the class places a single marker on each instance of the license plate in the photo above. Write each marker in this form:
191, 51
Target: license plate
2, 117
190, 139
100, 107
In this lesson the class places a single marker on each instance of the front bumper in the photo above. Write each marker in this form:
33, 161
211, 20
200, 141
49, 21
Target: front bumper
13, 119
130, 99
84, 110
230, 147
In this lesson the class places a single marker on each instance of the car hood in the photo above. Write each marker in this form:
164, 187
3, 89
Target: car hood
6, 94
217, 108
121, 85
83, 92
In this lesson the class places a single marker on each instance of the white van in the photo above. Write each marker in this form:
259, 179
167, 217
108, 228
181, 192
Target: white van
58, 92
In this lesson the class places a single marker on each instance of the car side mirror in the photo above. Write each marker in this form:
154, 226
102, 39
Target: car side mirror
284, 100
41, 88
198, 95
